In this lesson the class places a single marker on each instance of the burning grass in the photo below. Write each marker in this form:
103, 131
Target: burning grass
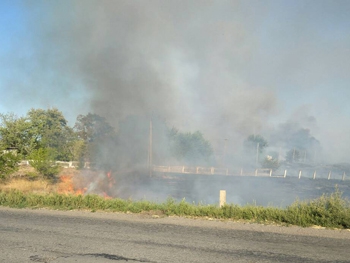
73, 190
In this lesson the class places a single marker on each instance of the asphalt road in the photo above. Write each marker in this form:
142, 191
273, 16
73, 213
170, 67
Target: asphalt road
73, 236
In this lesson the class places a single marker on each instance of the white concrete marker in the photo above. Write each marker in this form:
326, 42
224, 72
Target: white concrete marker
222, 198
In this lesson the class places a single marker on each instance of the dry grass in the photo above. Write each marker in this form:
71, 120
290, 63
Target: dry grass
23, 171
24, 181
28, 186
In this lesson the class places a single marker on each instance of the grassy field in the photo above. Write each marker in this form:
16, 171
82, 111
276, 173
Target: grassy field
332, 210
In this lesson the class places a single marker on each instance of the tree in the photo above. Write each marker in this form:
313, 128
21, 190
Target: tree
254, 142
92, 127
50, 130
8, 164
42, 161
270, 163
93, 132
190, 148
16, 133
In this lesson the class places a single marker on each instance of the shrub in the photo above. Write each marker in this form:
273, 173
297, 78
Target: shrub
41, 160
8, 164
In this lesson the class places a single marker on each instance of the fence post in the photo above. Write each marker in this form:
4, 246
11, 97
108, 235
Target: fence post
299, 174
222, 198
314, 176
329, 175
285, 173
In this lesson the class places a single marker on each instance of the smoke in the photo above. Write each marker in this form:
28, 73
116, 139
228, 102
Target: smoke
226, 68
178, 59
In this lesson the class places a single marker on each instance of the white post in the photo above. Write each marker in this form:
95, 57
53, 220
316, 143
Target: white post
270, 172
299, 174
197, 170
343, 178
285, 173
314, 175
329, 175
256, 172
222, 198
241, 171
183, 169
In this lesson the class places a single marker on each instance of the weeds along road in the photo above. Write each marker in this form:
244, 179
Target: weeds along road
73, 236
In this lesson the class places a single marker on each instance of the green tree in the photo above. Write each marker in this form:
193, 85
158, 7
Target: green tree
42, 161
190, 148
50, 130
8, 164
16, 133
92, 127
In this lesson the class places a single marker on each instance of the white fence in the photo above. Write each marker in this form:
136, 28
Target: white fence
72, 164
262, 172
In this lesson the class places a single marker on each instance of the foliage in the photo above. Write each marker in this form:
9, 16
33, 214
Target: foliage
50, 130
39, 129
252, 142
8, 164
92, 131
328, 211
92, 127
16, 133
190, 148
270, 163
42, 161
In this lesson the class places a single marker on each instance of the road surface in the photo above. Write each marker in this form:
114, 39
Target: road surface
76, 236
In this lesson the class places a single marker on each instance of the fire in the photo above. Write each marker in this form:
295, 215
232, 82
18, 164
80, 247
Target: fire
80, 185
66, 185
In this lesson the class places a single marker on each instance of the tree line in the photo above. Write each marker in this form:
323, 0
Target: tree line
44, 136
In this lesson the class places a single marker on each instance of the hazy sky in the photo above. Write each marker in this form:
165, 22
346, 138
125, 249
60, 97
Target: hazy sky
227, 68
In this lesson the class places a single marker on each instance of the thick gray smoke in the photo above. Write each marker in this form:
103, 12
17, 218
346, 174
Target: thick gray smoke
226, 68
178, 59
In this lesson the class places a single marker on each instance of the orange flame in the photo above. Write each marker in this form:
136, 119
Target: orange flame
79, 185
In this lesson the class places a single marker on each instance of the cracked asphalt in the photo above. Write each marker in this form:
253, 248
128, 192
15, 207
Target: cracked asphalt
77, 236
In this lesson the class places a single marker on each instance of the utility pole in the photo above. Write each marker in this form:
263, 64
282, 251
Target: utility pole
150, 146
224, 156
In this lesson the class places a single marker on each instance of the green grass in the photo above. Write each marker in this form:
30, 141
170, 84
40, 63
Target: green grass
330, 211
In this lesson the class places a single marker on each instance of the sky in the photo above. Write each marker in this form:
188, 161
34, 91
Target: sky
226, 68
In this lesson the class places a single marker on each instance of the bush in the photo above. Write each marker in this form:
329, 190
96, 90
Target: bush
8, 164
41, 160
